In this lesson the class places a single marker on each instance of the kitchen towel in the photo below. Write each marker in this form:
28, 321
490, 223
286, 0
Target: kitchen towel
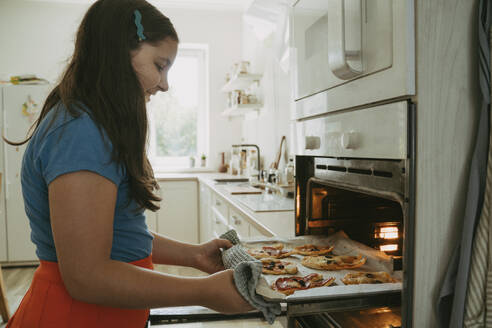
478, 311
247, 271
453, 293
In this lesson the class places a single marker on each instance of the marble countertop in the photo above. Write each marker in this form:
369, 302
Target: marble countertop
278, 223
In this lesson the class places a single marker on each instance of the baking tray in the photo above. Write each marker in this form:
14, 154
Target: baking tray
342, 245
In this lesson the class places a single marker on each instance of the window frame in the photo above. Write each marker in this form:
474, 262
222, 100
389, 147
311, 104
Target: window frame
168, 163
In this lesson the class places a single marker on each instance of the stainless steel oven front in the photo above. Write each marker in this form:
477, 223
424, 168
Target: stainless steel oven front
355, 172
349, 53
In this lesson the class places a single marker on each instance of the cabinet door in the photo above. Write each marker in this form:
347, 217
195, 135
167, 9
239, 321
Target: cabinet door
205, 198
220, 204
17, 121
178, 216
219, 224
239, 223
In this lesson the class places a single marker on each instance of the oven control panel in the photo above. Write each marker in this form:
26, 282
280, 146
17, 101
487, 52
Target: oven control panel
376, 132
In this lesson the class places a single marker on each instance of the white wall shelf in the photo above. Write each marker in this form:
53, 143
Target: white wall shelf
241, 109
240, 82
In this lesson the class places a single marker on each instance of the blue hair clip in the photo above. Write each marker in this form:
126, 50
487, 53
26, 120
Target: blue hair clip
138, 23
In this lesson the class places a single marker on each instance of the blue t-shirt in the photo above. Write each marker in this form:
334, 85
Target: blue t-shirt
73, 144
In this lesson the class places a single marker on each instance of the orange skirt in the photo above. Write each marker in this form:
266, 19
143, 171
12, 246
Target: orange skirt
48, 304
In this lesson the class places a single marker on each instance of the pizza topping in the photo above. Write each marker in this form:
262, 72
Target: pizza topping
310, 249
367, 278
310, 281
327, 262
274, 266
275, 251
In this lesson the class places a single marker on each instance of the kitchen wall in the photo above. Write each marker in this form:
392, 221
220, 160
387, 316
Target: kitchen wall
273, 120
37, 38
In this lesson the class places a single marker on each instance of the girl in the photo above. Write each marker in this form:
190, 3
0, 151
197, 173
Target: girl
86, 182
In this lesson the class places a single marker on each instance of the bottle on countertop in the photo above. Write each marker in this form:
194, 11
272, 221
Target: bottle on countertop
290, 171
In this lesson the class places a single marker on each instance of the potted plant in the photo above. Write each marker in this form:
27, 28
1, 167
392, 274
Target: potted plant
204, 160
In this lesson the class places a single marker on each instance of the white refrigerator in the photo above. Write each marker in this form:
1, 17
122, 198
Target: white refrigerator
20, 106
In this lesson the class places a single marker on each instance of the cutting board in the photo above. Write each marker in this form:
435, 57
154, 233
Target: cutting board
240, 190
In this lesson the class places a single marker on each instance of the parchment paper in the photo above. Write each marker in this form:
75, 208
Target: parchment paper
342, 245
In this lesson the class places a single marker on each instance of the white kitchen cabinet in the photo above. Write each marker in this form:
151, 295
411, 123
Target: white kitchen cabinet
21, 104
225, 216
205, 223
220, 204
219, 224
178, 216
238, 223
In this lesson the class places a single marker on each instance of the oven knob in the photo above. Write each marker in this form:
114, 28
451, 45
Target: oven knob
349, 140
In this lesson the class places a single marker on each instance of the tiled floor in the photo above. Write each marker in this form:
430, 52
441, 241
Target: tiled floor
17, 281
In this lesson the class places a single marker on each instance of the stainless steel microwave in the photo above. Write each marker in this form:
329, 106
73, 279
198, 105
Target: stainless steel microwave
349, 53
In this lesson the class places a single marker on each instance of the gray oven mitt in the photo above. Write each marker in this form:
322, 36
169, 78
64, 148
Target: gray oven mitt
247, 271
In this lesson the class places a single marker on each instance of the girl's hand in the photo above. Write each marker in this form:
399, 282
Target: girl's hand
221, 294
208, 257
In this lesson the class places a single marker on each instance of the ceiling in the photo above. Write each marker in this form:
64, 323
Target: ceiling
221, 5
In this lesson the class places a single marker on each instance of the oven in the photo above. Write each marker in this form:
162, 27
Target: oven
355, 173
348, 53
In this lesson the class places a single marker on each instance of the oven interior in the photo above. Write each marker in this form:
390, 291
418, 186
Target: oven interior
369, 201
371, 220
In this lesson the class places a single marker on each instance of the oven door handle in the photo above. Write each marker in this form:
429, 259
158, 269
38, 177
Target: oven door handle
345, 63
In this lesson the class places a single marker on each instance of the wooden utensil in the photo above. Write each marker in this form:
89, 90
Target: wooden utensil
275, 164
222, 167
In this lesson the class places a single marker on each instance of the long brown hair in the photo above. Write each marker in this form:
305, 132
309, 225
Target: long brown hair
100, 75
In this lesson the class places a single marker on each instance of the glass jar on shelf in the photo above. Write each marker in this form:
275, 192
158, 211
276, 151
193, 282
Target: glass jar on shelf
244, 67
252, 99
244, 99
236, 98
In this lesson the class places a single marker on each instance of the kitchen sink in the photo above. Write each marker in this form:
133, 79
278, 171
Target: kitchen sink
231, 180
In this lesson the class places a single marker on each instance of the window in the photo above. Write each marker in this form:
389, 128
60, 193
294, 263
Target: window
178, 118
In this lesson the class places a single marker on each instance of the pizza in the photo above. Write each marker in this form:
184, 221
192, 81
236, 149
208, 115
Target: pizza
332, 262
310, 249
288, 285
274, 251
274, 266
355, 278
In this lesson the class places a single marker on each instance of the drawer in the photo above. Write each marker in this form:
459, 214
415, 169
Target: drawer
220, 205
239, 223
219, 225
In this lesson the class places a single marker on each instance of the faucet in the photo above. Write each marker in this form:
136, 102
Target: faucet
257, 150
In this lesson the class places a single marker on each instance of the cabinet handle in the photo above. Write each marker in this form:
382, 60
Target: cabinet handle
236, 220
217, 203
217, 221
345, 64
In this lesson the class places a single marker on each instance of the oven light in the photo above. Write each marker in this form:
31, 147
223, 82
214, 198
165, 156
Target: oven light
389, 248
388, 233
298, 202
